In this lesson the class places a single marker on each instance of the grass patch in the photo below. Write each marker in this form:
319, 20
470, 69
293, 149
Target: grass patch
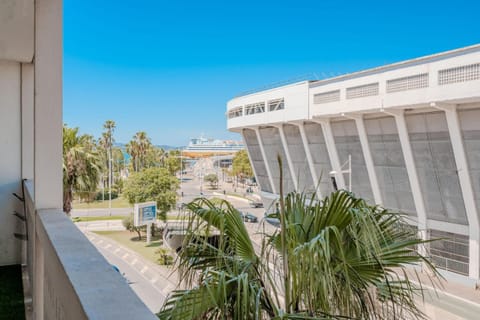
119, 202
131, 241
11, 293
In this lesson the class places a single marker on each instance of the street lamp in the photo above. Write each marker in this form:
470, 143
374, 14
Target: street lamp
110, 182
181, 173
349, 171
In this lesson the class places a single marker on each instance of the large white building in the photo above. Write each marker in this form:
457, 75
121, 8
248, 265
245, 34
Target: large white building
412, 130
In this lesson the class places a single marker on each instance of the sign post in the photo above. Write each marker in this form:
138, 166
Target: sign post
145, 214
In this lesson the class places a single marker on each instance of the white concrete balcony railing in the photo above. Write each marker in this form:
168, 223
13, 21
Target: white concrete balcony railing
69, 278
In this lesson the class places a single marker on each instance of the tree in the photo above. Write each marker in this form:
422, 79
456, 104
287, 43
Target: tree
241, 166
154, 157
152, 184
138, 148
173, 161
336, 258
106, 143
212, 179
118, 163
82, 165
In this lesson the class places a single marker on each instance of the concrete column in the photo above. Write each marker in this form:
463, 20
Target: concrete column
466, 186
372, 175
287, 154
264, 156
412, 173
27, 89
249, 155
332, 151
48, 104
308, 154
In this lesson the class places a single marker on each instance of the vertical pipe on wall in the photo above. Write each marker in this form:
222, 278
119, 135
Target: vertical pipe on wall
27, 101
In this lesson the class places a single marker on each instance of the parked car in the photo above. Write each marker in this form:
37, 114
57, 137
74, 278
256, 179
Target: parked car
256, 204
248, 217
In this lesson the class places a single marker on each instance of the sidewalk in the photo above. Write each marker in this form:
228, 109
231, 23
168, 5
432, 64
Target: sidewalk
159, 276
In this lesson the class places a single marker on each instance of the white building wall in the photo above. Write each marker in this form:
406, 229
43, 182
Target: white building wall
10, 162
296, 98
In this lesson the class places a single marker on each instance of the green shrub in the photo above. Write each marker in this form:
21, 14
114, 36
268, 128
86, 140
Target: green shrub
128, 224
104, 196
164, 256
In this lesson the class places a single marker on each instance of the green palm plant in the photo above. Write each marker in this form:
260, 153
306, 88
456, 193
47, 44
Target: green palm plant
220, 266
335, 258
347, 259
81, 165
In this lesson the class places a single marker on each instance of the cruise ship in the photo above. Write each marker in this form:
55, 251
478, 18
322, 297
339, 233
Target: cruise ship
207, 147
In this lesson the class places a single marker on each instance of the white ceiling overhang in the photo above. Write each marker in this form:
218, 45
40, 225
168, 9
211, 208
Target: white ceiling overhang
16, 30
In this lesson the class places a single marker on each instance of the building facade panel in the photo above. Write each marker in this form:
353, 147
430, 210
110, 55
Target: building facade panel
321, 160
298, 156
348, 144
257, 159
470, 125
273, 147
389, 164
436, 167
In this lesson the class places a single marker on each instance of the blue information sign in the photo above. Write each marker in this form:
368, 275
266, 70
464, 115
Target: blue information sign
148, 213
144, 213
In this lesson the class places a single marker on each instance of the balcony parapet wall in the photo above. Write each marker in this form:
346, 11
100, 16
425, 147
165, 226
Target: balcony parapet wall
70, 279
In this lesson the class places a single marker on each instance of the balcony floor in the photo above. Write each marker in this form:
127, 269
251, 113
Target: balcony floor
11, 293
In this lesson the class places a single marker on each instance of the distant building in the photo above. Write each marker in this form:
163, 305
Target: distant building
412, 130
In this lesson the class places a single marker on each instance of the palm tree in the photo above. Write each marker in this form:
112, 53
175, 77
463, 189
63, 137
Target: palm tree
106, 141
81, 165
335, 258
138, 148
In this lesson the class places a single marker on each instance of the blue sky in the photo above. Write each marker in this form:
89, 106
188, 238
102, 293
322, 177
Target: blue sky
169, 67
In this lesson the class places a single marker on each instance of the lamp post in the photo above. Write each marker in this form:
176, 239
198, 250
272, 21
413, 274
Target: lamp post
349, 171
181, 173
110, 182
